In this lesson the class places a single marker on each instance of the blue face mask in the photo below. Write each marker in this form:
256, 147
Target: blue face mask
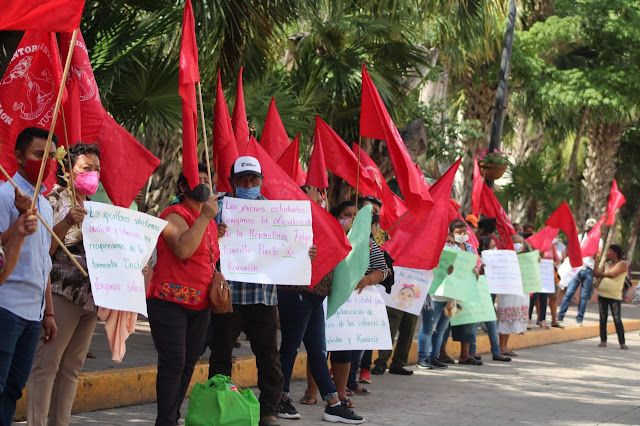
248, 193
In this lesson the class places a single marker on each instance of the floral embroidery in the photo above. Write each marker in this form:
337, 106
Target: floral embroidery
179, 293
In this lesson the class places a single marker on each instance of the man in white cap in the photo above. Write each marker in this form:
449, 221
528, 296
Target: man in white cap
255, 310
584, 278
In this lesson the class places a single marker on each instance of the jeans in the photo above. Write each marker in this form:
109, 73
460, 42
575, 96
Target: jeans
17, 349
604, 303
542, 314
365, 363
302, 320
584, 277
433, 320
178, 335
492, 332
404, 324
356, 357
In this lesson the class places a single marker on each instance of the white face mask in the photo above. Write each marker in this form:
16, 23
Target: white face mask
518, 247
461, 238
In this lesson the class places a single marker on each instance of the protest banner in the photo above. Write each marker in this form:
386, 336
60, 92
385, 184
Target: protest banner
348, 273
267, 242
479, 311
567, 273
502, 271
447, 259
118, 243
530, 272
409, 290
547, 273
361, 323
461, 283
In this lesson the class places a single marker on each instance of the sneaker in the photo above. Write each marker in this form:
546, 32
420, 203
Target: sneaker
400, 370
287, 410
424, 363
341, 414
378, 370
438, 364
446, 359
365, 376
579, 323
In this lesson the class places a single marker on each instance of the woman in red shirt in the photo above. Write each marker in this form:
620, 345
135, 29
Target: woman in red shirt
178, 297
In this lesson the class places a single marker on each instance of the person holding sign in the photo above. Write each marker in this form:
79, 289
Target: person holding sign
25, 295
255, 311
178, 296
57, 365
610, 293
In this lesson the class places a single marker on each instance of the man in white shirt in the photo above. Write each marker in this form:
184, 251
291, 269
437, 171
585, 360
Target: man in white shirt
584, 278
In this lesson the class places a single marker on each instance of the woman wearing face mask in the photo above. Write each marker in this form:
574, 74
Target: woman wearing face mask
178, 296
512, 309
610, 293
56, 366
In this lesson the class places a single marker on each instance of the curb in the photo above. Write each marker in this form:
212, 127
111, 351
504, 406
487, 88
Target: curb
132, 386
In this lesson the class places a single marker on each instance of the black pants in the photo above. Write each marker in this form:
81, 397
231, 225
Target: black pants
604, 303
542, 313
178, 335
260, 324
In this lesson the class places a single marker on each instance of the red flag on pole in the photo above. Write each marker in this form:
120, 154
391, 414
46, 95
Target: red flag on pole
328, 235
591, 244
41, 15
239, 119
392, 206
476, 192
290, 162
188, 76
418, 243
376, 123
317, 172
616, 200
491, 207
225, 150
542, 239
274, 138
562, 218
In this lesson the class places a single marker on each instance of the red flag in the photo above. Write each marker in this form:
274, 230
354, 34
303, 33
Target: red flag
274, 138
616, 200
225, 150
317, 172
239, 119
188, 76
542, 239
591, 244
341, 160
28, 92
476, 192
376, 123
290, 162
392, 206
562, 218
491, 207
41, 15
418, 243
328, 235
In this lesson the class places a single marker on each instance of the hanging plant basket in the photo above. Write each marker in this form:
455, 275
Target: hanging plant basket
491, 171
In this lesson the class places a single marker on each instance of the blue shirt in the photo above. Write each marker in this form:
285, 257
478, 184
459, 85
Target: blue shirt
23, 292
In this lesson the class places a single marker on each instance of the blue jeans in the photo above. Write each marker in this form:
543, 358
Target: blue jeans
432, 321
302, 320
492, 332
584, 277
17, 349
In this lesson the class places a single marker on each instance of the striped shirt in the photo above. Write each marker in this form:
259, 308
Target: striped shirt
376, 260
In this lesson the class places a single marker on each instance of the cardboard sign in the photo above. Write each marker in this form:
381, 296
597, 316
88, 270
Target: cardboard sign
530, 272
502, 269
409, 290
479, 311
567, 273
547, 273
461, 284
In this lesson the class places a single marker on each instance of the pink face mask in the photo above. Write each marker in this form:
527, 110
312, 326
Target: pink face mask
87, 183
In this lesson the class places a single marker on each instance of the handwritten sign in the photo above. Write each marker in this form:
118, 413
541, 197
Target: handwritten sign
119, 243
409, 290
360, 324
461, 283
267, 242
479, 311
530, 271
548, 276
502, 271
567, 273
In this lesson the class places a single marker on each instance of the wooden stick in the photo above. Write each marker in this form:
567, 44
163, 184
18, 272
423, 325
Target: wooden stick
66, 138
55, 117
46, 225
358, 174
397, 221
204, 138
326, 199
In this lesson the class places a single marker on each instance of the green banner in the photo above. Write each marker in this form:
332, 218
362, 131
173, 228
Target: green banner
350, 271
530, 271
461, 284
479, 311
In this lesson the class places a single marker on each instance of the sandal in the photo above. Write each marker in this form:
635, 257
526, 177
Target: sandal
349, 392
623, 346
446, 359
361, 391
349, 403
470, 361
556, 325
602, 344
308, 400
510, 353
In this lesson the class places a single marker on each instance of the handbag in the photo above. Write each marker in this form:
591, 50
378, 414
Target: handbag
218, 402
219, 290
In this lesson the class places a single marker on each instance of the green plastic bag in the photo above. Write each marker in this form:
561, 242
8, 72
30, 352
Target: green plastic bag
218, 402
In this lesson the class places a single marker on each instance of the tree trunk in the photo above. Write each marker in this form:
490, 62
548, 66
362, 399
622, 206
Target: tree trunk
633, 237
600, 168
572, 168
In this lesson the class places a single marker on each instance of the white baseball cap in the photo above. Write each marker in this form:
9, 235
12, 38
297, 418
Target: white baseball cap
246, 166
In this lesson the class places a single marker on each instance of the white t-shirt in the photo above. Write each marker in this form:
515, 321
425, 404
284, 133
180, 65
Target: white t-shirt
589, 262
